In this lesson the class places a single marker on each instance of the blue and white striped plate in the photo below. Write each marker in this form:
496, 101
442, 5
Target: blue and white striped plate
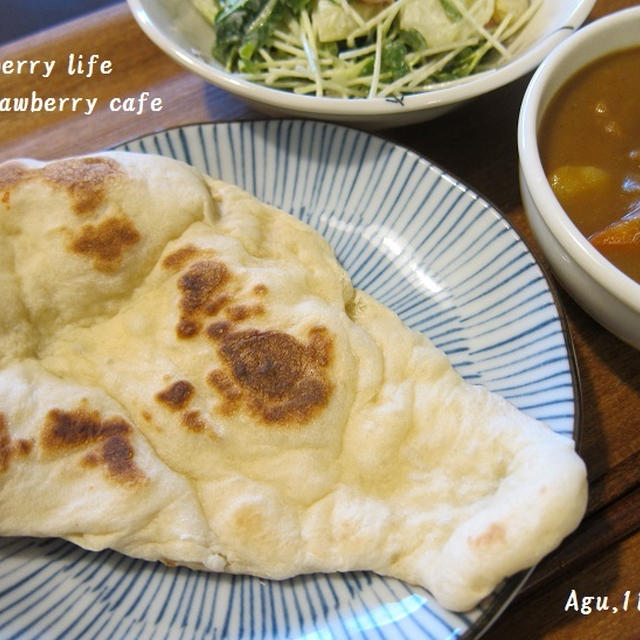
427, 246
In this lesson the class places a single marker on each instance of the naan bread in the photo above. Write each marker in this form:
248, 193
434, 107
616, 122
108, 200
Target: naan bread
188, 375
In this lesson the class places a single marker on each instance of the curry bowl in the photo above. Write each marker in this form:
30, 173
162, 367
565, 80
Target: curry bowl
607, 293
180, 30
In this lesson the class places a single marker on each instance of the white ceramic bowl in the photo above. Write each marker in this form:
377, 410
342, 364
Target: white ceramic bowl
177, 28
601, 289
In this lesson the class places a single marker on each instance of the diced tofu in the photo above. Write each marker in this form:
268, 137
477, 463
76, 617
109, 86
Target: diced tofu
430, 18
333, 22
208, 8
514, 7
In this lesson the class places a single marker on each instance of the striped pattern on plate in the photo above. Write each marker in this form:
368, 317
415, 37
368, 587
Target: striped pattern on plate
420, 242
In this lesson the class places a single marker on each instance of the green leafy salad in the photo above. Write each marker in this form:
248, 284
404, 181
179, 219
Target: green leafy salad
364, 48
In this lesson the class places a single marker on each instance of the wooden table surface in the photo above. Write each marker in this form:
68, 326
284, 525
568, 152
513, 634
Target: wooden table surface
476, 143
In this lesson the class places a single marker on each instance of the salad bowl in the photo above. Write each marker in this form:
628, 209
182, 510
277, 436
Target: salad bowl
179, 29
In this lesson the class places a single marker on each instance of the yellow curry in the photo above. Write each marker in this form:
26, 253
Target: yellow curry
590, 148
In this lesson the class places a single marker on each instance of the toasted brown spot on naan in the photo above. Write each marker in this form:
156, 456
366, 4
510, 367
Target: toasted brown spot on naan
5, 445
84, 178
118, 454
267, 362
320, 346
188, 328
243, 311
181, 257
106, 242
22, 447
12, 173
495, 533
227, 387
214, 306
193, 421
10, 449
260, 289
201, 286
200, 281
250, 522
80, 427
176, 395
217, 329
84, 427
92, 459
279, 378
